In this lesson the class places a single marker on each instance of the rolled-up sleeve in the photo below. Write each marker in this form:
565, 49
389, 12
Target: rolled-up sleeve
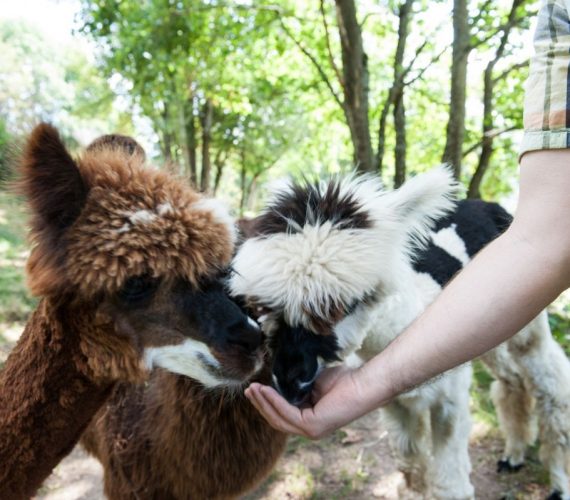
547, 93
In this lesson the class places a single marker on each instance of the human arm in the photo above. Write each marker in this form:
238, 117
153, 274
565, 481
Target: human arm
500, 291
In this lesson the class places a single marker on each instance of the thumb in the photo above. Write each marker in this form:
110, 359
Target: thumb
327, 380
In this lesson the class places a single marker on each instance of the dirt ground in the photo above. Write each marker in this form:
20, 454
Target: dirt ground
352, 464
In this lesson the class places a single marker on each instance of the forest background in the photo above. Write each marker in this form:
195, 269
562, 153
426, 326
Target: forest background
236, 93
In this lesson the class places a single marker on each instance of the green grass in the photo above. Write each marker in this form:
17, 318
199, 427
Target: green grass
481, 404
15, 301
559, 320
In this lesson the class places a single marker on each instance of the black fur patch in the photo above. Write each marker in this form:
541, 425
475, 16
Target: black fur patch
368, 299
310, 204
505, 466
436, 262
477, 223
295, 359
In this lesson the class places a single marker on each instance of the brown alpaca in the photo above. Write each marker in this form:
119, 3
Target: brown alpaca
176, 438
126, 260
172, 438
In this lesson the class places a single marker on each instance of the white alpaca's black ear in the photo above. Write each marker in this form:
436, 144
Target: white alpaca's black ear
422, 200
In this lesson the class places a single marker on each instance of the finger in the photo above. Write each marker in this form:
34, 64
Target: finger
298, 419
257, 396
326, 381
272, 418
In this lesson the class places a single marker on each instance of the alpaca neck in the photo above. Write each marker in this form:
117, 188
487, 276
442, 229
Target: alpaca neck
47, 401
400, 298
207, 434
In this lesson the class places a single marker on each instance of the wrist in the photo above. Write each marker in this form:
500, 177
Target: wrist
373, 385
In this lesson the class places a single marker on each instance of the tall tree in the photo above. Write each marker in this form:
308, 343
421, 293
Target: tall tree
355, 81
490, 79
453, 152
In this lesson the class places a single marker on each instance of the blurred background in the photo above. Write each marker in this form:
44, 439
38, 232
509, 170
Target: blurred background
237, 93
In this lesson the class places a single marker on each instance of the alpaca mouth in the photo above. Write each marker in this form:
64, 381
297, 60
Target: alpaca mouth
212, 366
233, 371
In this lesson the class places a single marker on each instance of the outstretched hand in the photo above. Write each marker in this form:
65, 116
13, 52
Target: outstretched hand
337, 400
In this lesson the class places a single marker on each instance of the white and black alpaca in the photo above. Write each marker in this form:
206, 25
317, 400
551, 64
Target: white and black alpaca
344, 268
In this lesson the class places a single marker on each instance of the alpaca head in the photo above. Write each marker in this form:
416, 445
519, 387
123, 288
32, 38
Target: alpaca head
134, 260
323, 252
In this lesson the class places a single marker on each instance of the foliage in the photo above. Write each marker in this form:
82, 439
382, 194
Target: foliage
55, 84
5, 141
15, 301
560, 325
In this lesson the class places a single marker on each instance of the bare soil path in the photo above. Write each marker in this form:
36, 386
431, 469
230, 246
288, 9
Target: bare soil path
352, 464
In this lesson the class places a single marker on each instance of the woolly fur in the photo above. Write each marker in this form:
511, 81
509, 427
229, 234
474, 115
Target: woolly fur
321, 265
95, 222
143, 220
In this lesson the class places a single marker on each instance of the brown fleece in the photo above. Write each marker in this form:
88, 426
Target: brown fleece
144, 221
171, 439
47, 401
95, 223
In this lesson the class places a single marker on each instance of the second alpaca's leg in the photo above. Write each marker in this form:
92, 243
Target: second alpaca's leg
514, 405
450, 466
546, 369
408, 433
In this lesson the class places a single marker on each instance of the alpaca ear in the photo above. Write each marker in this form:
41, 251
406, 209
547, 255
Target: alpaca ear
117, 141
56, 194
422, 200
50, 180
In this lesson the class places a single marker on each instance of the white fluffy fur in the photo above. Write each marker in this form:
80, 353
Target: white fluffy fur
220, 213
430, 424
192, 359
332, 266
448, 239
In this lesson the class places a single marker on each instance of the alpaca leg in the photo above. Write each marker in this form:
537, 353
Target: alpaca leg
407, 432
450, 426
514, 409
514, 405
547, 371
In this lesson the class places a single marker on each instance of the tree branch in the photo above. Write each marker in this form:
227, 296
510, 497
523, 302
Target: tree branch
329, 49
433, 60
505, 73
492, 134
315, 63
511, 22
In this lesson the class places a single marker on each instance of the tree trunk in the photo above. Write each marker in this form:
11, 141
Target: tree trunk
166, 142
474, 190
401, 145
219, 163
456, 124
190, 126
242, 182
251, 192
487, 141
355, 79
396, 93
206, 122
382, 131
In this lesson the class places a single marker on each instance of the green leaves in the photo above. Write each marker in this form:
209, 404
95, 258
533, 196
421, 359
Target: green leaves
273, 113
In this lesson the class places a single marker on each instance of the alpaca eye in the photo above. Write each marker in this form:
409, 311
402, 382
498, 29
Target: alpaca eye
138, 288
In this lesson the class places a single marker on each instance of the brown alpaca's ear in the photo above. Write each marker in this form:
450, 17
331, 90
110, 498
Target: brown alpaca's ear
117, 141
56, 194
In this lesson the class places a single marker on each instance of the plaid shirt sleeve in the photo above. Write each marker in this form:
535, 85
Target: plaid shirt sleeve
547, 97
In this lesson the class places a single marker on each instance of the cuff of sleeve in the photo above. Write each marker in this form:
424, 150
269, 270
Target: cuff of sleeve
534, 140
